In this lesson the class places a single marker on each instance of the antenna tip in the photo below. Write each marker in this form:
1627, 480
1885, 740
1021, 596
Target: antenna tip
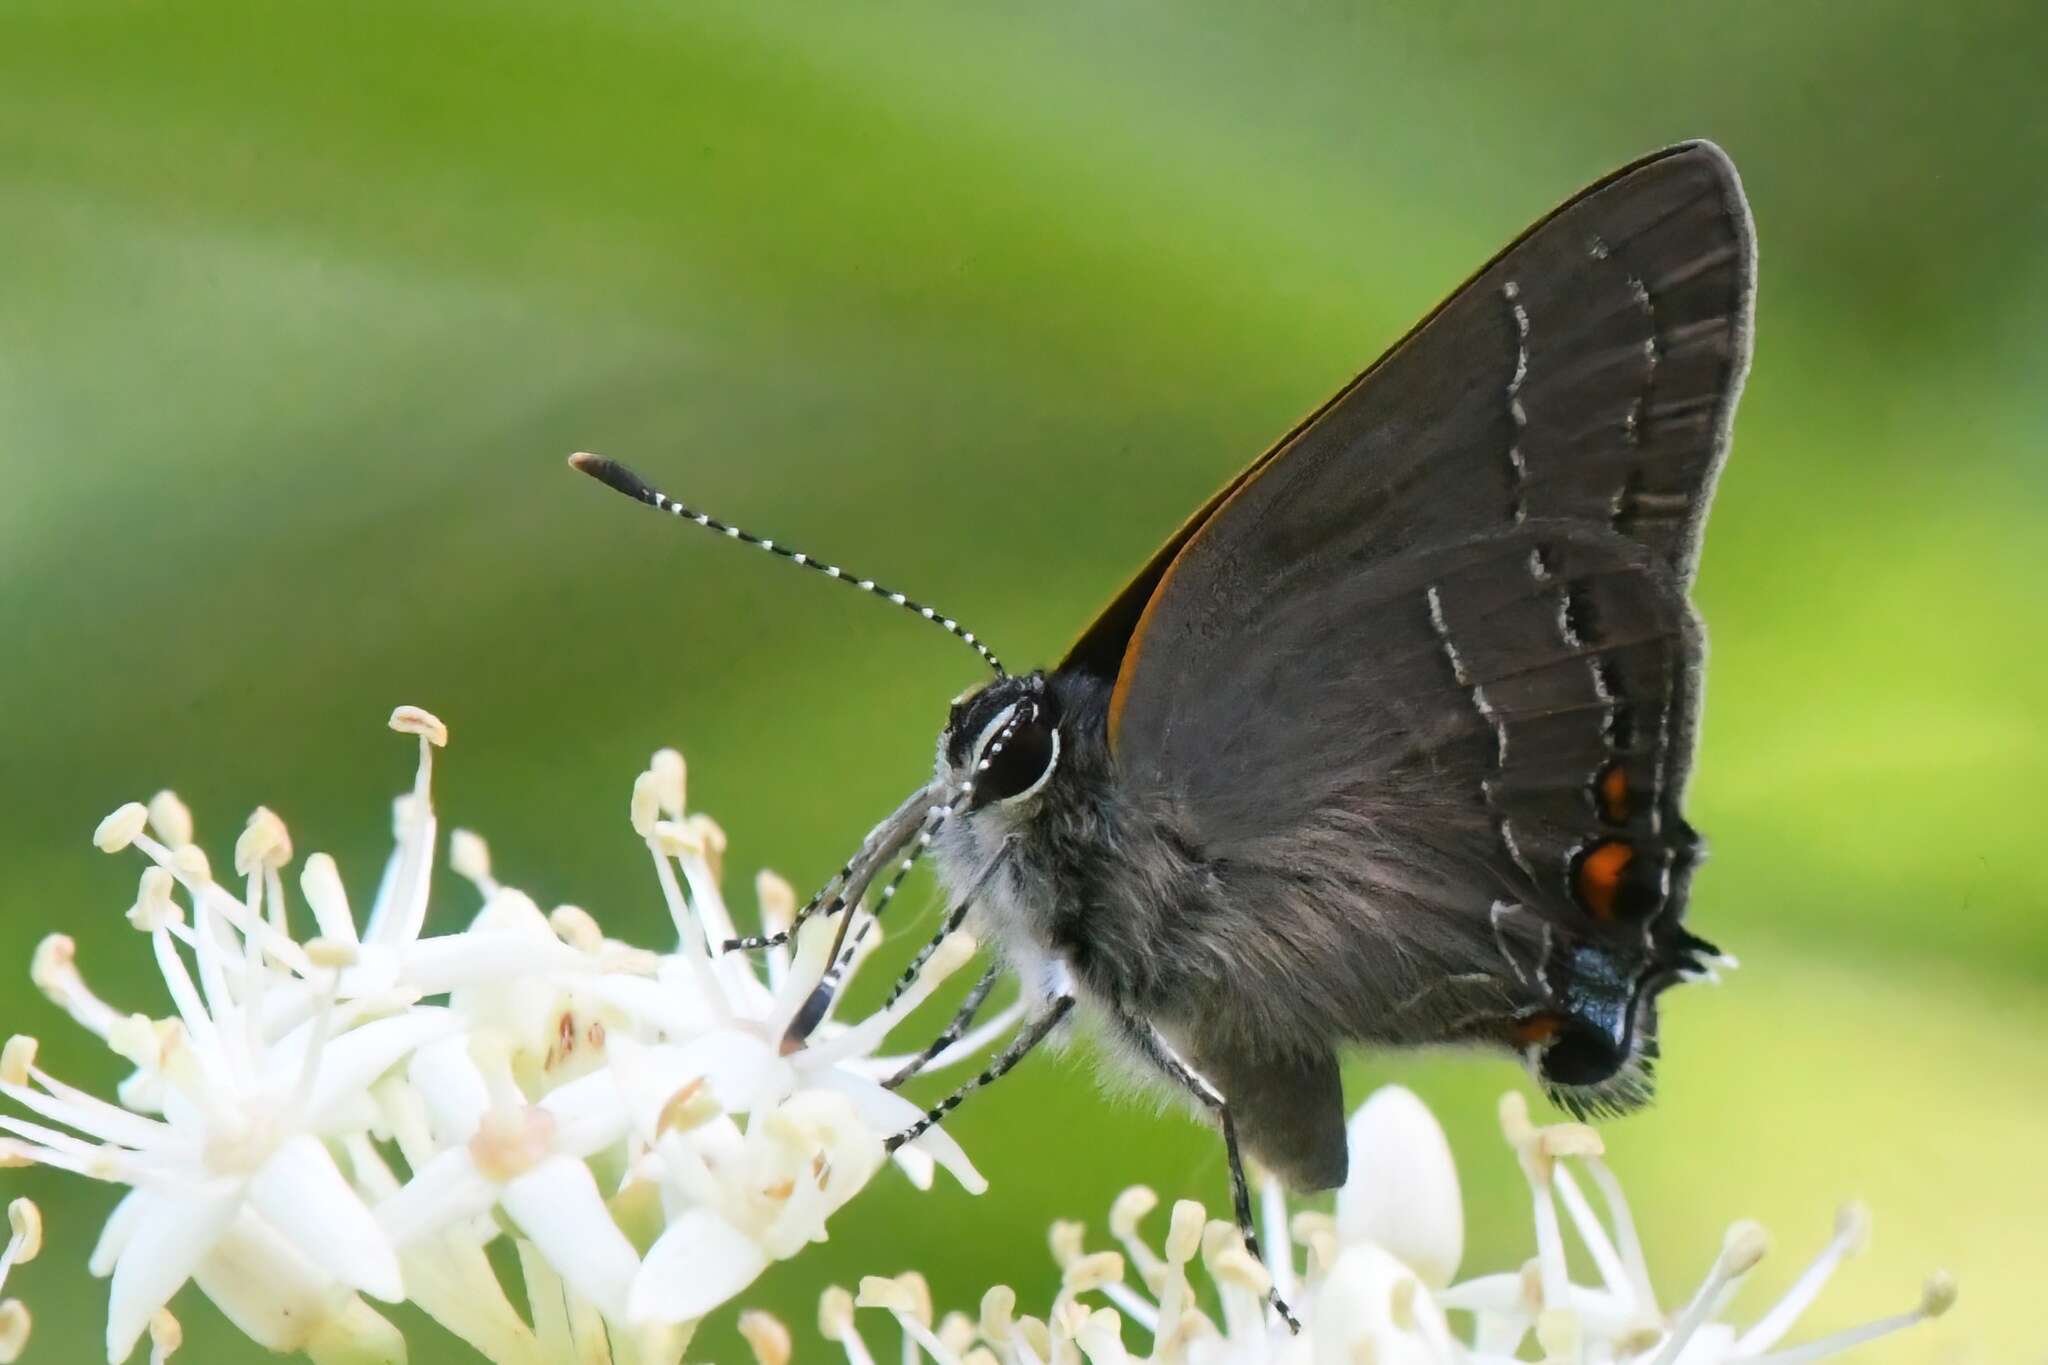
612, 474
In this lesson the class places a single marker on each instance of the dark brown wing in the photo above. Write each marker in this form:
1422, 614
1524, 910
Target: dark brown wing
1435, 644
1701, 341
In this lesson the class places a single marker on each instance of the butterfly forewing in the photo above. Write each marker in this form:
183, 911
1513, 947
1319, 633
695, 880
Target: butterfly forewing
1429, 663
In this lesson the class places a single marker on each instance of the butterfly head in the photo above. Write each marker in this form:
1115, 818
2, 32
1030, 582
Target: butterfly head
1004, 738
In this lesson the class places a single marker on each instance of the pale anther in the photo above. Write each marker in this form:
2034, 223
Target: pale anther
469, 856
1746, 1243
136, 1039
835, 1313
165, 1336
998, 1311
1130, 1209
671, 780
646, 805
411, 720
264, 842
674, 839
54, 968
766, 1336
118, 830
920, 1295
576, 927
170, 818
1184, 1232
1086, 1274
1065, 1238
189, 864
16, 1058
153, 908
25, 1222
14, 1330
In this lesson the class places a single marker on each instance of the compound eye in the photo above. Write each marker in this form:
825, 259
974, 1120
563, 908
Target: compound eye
1020, 761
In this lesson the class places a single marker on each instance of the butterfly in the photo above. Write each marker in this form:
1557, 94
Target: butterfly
1388, 744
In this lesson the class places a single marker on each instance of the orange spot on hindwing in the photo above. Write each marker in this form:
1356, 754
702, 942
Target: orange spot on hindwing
1610, 794
1611, 882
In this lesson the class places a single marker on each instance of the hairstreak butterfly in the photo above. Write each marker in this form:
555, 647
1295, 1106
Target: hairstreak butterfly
1388, 743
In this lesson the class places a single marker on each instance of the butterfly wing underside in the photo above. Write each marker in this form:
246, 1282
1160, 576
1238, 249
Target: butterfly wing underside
1428, 667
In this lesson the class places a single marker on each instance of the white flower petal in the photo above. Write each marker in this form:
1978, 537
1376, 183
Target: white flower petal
401, 906
1504, 1292
814, 1145
265, 1286
114, 1234
447, 1190
744, 1072
590, 1114
669, 1003
142, 1091
305, 1197
450, 962
700, 1262
452, 1087
558, 1207
887, 1112
280, 1056
1354, 1312
451, 1279
170, 1236
320, 883
741, 1071
916, 1164
1402, 1190
351, 1062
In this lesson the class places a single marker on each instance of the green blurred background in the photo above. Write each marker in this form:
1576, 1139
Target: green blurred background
301, 307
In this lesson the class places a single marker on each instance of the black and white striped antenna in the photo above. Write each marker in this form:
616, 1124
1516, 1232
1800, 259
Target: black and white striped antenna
615, 475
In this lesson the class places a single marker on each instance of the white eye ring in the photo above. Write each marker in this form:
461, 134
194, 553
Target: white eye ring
988, 734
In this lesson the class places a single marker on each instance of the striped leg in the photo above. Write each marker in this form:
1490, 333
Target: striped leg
956, 917
813, 1012
1160, 1053
969, 1007
1030, 1036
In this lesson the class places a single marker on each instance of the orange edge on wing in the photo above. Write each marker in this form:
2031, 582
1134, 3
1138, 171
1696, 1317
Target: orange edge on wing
1182, 540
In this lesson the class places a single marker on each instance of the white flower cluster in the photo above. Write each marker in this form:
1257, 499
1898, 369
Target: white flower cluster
356, 1114
1378, 1283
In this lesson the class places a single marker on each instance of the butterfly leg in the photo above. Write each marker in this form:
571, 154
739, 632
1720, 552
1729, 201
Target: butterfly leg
1033, 1033
814, 1008
781, 937
1153, 1045
827, 990
951, 1034
955, 917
